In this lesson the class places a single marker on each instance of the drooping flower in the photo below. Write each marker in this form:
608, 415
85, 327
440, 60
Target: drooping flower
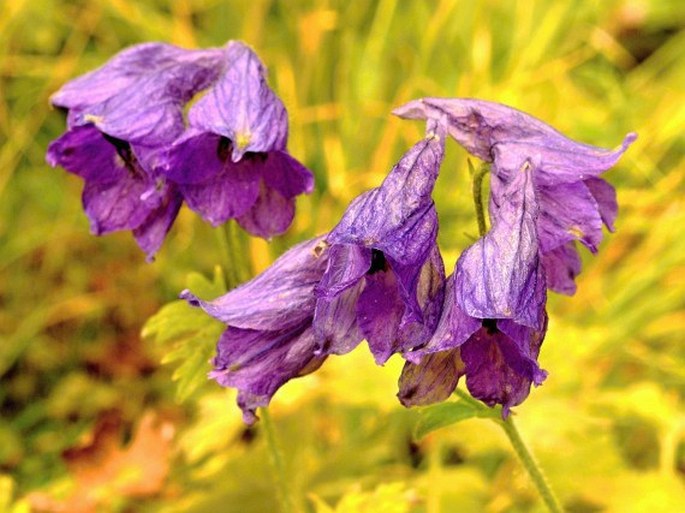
232, 162
118, 115
573, 200
384, 280
493, 319
269, 338
127, 135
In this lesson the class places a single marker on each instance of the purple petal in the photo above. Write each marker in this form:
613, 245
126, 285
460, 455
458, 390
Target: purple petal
347, 265
379, 313
115, 181
453, 329
500, 276
258, 363
431, 381
151, 233
398, 217
241, 106
562, 265
270, 215
286, 175
509, 138
605, 196
495, 371
277, 299
139, 95
335, 321
568, 212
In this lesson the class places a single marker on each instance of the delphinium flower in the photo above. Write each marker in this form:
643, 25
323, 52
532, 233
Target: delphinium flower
232, 161
573, 201
377, 275
269, 338
385, 275
124, 118
545, 195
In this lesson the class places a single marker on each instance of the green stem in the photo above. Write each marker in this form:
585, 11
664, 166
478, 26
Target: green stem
233, 244
524, 454
531, 466
478, 195
277, 462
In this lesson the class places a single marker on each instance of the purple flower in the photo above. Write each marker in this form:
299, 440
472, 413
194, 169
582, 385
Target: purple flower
493, 319
120, 192
573, 201
384, 280
269, 337
232, 161
128, 140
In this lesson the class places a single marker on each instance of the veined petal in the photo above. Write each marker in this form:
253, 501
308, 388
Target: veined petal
139, 95
347, 265
568, 212
605, 196
270, 215
279, 298
241, 106
151, 233
432, 380
509, 138
398, 217
335, 321
258, 363
500, 276
562, 265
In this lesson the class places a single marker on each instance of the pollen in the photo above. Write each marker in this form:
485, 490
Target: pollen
576, 232
92, 118
242, 140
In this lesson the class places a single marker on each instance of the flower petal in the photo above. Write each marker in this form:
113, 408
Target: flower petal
277, 299
562, 265
151, 233
139, 95
347, 265
508, 137
500, 276
272, 213
335, 321
241, 106
431, 381
605, 196
258, 363
398, 217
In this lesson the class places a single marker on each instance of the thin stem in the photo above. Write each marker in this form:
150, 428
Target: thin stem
233, 244
277, 462
478, 176
524, 454
531, 466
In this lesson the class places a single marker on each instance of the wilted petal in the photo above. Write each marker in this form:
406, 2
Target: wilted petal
347, 265
114, 179
277, 299
398, 218
335, 321
496, 373
241, 106
500, 276
258, 363
270, 215
562, 265
568, 212
605, 196
379, 312
151, 233
432, 380
509, 138
138, 96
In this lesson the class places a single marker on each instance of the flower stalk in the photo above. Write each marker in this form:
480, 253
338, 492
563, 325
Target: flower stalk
276, 456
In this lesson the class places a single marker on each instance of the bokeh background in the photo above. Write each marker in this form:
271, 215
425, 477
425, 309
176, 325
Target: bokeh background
91, 419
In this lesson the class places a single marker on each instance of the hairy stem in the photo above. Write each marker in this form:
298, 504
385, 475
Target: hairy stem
276, 455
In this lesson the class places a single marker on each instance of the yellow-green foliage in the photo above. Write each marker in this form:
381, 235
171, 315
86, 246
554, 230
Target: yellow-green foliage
608, 426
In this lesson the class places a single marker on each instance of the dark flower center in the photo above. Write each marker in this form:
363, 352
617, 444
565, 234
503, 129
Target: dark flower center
490, 326
378, 262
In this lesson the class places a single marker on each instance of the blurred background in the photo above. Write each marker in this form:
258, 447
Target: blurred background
91, 419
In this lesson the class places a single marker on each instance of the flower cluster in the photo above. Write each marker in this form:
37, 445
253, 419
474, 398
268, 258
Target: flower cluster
378, 275
140, 157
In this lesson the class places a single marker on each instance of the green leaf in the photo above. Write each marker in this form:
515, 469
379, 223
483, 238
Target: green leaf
187, 335
445, 414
